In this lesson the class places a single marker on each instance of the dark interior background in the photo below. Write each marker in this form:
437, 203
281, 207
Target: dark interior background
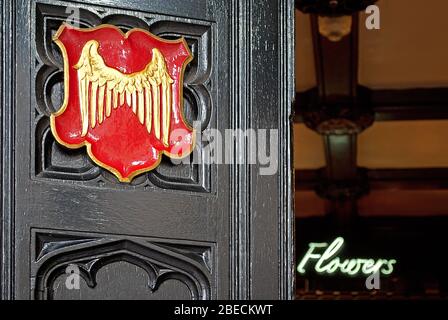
371, 161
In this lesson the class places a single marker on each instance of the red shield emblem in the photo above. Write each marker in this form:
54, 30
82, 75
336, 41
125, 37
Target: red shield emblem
122, 98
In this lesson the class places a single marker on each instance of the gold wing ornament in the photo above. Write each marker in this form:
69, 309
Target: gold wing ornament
102, 89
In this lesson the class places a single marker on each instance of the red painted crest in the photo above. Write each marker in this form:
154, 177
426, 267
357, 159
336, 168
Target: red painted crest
122, 98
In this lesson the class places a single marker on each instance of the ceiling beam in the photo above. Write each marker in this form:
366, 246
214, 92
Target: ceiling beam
334, 112
333, 109
332, 7
384, 179
336, 60
390, 104
409, 104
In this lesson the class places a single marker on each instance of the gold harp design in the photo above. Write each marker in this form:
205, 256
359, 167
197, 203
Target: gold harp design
102, 89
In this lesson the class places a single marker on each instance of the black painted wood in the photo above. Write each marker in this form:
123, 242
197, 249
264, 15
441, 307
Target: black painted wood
221, 231
8, 156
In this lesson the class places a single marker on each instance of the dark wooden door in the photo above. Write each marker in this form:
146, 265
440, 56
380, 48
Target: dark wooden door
201, 231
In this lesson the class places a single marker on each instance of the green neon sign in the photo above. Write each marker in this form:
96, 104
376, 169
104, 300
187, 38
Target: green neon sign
327, 262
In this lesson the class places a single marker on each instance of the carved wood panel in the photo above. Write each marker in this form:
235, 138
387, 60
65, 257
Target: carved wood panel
191, 264
242, 77
55, 162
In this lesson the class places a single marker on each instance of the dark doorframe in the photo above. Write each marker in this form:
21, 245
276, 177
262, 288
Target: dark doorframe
261, 235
